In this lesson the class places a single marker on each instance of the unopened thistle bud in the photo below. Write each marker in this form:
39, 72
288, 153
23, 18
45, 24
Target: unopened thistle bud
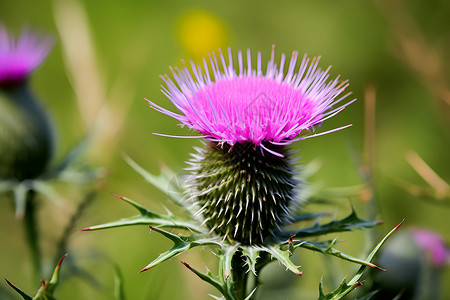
26, 135
242, 182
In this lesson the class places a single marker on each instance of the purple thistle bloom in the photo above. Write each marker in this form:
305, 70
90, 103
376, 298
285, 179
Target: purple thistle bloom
242, 183
18, 58
246, 105
26, 133
434, 244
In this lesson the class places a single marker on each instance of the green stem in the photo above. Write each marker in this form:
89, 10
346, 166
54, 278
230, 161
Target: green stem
240, 276
61, 247
32, 234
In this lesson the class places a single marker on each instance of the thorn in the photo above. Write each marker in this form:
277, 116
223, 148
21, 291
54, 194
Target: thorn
151, 228
396, 227
61, 260
10, 284
291, 239
358, 284
379, 268
186, 265
43, 283
118, 196
84, 229
145, 269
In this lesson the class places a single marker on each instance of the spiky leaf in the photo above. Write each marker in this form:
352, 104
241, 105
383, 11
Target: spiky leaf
45, 292
147, 217
19, 291
344, 288
283, 256
351, 222
180, 244
326, 247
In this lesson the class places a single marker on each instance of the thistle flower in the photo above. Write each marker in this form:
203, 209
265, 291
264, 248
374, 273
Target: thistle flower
18, 58
243, 181
26, 135
433, 244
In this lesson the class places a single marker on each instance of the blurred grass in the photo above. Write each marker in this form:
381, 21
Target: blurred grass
134, 42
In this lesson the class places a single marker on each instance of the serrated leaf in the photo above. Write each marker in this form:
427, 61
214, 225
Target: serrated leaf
147, 217
348, 223
283, 256
181, 244
326, 247
252, 255
224, 286
345, 288
228, 254
216, 281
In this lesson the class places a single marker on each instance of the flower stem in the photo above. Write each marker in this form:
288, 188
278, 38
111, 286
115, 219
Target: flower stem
32, 233
240, 276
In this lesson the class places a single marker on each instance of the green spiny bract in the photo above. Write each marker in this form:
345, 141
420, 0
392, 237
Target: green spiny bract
242, 192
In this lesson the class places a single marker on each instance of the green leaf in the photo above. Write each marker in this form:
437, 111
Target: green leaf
147, 217
222, 283
348, 223
345, 288
229, 252
216, 281
45, 292
181, 244
163, 182
252, 254
21, 293
326, 247
283, 256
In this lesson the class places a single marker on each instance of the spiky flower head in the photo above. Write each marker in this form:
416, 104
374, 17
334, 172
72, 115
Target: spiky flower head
26, 135
243, 180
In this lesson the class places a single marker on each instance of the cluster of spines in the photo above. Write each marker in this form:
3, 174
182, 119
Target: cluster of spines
242, 193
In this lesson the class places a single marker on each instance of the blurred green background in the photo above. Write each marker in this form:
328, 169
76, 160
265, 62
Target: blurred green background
107, 58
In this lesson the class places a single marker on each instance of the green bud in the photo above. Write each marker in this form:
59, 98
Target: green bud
26, 135
242, 192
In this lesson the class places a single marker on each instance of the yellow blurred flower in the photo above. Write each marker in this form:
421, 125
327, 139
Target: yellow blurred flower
201, 32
